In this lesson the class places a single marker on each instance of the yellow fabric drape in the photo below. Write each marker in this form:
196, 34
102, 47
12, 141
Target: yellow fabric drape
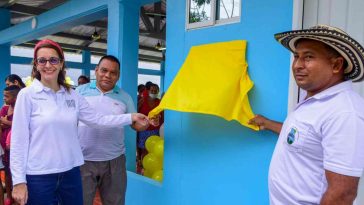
213, 80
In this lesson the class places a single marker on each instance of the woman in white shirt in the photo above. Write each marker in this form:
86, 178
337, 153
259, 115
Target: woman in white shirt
45, 152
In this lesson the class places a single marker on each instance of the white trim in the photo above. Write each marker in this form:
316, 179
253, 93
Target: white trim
235, 19
212, 22
293, 89
198, 24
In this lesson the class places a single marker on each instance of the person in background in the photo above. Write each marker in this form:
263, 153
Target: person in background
319, 156
104, 148
83, 80
6, 117
14, 79
141, 89
147, 88
45, 150
149, 103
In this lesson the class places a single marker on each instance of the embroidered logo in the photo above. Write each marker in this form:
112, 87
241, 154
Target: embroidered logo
39, 98
71, 103
292, 135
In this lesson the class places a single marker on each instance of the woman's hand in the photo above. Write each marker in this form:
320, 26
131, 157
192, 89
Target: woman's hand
20, 193
155, 121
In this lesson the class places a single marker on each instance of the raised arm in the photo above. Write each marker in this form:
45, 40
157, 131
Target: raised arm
266, 124
91, 118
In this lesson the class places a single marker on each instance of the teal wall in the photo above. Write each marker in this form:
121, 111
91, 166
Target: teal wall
4, 50
207, 159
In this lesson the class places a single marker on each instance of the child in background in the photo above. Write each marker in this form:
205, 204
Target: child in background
6, 117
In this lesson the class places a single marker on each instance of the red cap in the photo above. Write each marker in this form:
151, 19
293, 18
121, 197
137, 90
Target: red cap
50, 42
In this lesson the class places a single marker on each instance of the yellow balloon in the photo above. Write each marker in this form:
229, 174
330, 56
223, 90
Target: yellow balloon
158, 175
152, 163
158, 148
150, 142
148, 173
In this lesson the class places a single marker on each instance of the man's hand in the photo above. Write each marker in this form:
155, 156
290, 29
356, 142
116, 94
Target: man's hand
20, 193
140, 121
266, 124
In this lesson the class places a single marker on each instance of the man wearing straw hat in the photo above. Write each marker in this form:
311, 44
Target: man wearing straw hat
319, 156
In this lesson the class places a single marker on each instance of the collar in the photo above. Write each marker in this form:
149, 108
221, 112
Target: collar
94, 86
39, 87
346, 85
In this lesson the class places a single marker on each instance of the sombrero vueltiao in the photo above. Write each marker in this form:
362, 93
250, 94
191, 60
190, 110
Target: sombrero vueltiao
349, 48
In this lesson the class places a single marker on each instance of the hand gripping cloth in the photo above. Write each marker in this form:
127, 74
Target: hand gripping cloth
213, 80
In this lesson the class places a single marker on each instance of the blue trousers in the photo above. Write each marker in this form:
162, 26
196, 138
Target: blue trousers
52, 189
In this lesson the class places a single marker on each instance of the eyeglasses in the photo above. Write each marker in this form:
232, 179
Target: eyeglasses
51, 60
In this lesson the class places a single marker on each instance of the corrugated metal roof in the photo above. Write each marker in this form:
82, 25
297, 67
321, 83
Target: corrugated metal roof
80, 36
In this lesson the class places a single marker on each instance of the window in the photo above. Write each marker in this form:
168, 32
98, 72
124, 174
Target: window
95, 59
149, 65
142, 79
22, 70
201, 13
73, 57
74, 73
21, 51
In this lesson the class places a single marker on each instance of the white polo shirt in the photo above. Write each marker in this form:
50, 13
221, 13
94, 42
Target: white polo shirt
324, 132
44, 131
103, 144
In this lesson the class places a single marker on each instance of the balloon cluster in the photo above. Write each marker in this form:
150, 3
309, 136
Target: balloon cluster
153, 161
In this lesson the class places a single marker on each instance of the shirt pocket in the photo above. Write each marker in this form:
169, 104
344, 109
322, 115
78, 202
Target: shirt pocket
296, 136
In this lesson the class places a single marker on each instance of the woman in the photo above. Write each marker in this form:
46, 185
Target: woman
14, 79
45, 152
147, 104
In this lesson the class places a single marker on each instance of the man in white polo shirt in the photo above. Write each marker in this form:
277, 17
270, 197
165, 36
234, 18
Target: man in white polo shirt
319, 156
104, 148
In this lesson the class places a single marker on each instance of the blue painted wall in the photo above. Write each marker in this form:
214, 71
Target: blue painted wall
207, 159
4, 50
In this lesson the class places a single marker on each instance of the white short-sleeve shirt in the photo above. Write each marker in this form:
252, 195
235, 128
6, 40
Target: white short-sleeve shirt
324, 132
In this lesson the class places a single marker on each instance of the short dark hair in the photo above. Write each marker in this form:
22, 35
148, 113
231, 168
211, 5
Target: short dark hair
148, 85
13, 90
140, 87
110, 58
13, 77
84, 77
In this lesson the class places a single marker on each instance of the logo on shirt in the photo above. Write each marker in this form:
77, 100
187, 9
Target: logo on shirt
70, 103
37, 98
292, 135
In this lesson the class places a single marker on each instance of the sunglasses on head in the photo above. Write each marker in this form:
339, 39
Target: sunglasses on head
51, 60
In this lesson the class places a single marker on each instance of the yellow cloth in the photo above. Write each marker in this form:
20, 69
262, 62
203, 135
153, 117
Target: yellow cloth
213, 80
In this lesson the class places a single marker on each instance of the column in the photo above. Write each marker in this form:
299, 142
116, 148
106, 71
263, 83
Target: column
123, 42
4, 49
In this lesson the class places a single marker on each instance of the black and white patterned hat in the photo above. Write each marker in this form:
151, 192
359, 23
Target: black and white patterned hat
349, 48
